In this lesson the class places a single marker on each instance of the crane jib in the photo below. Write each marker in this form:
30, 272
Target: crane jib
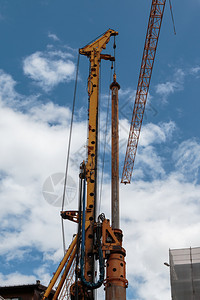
151, 41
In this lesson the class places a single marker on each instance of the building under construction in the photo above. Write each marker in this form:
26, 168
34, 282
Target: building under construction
185, 273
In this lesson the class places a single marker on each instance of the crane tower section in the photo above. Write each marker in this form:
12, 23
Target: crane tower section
151, 41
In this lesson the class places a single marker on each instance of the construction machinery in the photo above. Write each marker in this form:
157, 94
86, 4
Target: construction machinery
150, 46
98, 242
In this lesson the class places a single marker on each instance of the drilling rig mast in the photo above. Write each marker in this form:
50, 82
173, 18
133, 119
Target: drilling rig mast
99, 240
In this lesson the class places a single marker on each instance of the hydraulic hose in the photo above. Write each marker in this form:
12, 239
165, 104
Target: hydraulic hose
90, 285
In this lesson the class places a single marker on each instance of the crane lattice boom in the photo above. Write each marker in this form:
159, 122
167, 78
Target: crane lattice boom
151, 41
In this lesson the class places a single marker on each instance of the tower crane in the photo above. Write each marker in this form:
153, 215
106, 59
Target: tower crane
151, 42
97, 240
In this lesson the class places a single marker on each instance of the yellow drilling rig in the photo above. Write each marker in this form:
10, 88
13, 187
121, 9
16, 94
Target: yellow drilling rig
98, 242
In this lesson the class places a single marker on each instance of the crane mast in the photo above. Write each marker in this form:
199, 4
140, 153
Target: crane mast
151, 41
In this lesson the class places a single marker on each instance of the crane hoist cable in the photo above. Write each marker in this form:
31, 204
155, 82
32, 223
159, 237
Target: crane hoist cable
170, 4
68, 152
99, 143
114, 47
104, 143
113, 66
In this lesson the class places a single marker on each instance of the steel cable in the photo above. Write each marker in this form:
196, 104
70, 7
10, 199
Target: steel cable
68, 152
104, 146
170, 4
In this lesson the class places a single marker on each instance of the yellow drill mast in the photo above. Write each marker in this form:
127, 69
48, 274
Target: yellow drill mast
93, 52
98, 240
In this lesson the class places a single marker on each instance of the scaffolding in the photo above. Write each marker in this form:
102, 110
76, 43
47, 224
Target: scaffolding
185, 273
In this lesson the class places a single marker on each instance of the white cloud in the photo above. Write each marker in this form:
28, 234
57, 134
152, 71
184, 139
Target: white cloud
155, 215
48, 69
187, 159
129, 92
7, 88
155, 134
16, 278
50, 113
195, 70
149, 162
34, 145
169, 87
148, 159
42, 274
166, 88
53, 36
126, 104
177, 82
57, 54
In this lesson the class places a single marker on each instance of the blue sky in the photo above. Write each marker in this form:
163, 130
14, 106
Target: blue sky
160, 209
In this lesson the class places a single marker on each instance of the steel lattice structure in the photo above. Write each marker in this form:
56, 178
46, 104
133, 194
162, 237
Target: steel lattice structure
151, 41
